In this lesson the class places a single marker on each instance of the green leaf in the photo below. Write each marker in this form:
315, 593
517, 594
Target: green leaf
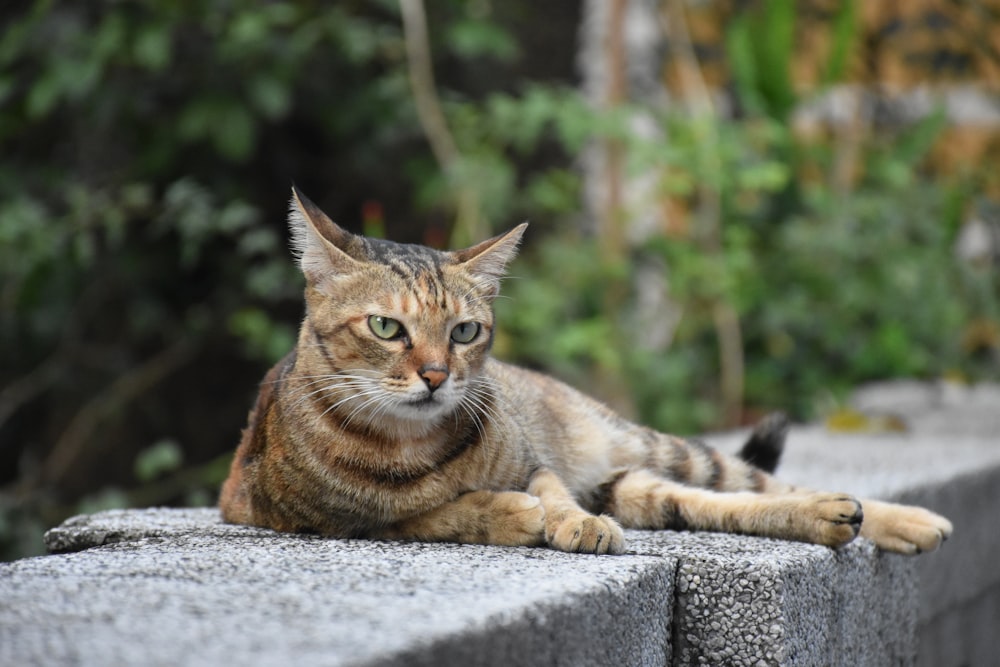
109, 498
557, 190
767, 176
776, 41
760, 47
844, 33
917, 140
270, 96
264, 338
43, 96
475, 39
236, 216
235, 133
249, 27
152, 47
196, 119
109, 38
743, 62
163, 457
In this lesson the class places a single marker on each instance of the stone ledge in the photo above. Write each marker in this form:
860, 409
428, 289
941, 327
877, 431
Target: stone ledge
168, 586
147, 587
754, 601
179, 587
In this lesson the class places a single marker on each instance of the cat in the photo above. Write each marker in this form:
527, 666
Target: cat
390, 420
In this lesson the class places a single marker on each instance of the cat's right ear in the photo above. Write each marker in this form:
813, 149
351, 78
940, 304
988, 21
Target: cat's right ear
323, 248
489, 259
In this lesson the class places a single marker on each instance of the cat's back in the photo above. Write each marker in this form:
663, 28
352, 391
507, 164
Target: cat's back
541, 399
576, 435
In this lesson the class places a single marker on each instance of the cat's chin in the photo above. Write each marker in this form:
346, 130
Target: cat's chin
423, 411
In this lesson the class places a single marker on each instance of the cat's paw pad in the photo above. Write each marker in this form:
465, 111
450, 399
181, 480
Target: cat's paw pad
579, 532
833, 519
519, 519
904, 529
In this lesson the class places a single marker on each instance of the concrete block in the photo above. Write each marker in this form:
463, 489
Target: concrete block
752, 601
178, 587
948, 461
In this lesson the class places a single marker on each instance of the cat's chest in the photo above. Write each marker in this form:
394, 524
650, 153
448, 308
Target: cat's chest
411, 454
401, 466
389, 483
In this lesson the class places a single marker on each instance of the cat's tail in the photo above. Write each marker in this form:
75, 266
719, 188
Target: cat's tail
763, 449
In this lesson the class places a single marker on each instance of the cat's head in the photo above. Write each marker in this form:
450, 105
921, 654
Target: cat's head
402, 331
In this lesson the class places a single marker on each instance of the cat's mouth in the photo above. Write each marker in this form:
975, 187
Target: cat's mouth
429, 406
423, 402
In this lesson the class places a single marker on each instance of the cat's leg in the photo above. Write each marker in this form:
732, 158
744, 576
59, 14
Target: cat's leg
898, 528
892, 527
568, 527
507, 518
642, 499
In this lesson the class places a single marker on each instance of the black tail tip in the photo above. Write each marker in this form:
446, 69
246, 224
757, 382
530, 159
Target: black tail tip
767, 442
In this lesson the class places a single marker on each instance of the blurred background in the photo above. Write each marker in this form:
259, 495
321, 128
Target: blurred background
736, 206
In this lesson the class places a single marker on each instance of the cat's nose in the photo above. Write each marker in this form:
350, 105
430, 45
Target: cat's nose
433, 376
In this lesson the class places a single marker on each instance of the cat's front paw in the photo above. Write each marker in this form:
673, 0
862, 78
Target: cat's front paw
580, 532
832, 519
514, 519
903, 528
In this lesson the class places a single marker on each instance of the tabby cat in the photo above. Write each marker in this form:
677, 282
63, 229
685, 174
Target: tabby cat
390, 420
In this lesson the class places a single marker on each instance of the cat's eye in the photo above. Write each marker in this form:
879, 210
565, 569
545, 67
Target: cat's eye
385, 327
465, 332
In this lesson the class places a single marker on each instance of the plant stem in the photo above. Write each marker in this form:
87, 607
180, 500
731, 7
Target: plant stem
469, 223
612, 221
81, 429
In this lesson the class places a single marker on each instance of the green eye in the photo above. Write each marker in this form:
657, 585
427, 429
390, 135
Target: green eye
385, 327
465, 332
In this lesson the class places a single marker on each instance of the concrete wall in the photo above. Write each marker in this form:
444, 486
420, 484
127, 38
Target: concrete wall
173, 586
178, 587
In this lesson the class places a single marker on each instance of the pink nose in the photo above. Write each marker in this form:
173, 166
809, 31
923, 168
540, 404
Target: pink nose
434, 376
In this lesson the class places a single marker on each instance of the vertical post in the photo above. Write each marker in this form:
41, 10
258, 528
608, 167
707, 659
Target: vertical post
611, 228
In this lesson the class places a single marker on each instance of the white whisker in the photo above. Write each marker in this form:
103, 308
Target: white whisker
375, 392
474, 416
328, 390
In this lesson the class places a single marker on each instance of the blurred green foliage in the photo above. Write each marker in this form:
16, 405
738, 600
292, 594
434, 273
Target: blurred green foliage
145, 283
833, 289
836, 280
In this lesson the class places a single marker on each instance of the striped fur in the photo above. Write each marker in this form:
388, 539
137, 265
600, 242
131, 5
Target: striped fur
417, 433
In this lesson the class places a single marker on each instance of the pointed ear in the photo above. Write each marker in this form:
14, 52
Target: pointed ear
489, 259
321, 246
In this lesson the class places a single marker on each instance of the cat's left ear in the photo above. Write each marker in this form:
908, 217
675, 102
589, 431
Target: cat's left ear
489, 259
